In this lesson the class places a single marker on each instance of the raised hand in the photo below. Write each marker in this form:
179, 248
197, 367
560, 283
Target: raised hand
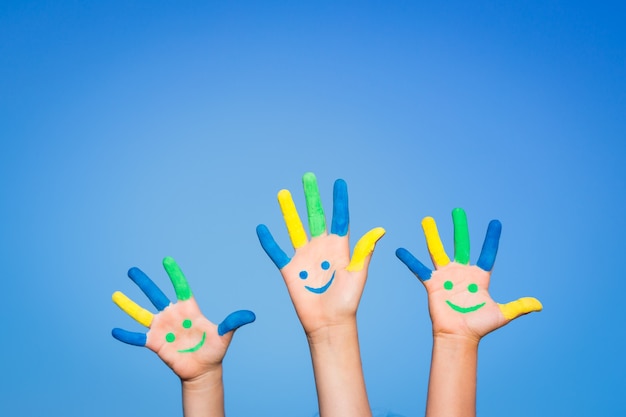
458, 293
179, 333
324, 282
325, 285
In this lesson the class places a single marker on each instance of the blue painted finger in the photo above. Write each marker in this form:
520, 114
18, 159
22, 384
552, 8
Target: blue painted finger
341, 214
423, 272
152, 291
270, 247
490, 246
235, 320
132, 338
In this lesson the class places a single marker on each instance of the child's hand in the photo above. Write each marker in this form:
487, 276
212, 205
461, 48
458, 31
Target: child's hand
458, 297
179, 333
324, 283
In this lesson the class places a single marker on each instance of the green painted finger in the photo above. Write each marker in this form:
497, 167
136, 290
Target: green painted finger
181, 286
317, 221
461, 236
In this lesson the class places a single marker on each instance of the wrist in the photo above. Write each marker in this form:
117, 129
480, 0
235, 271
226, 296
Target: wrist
205, 380
204, 395
455, 341
333, 334
338, 370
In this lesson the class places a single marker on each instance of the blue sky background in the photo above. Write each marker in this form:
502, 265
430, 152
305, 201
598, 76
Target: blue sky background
135, 130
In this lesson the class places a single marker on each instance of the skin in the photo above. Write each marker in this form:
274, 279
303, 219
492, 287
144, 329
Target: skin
188, 343
340, 301
200, 371
446, 320
456, 335
328, 317
462, 313
187, 365
329, 321
325, 265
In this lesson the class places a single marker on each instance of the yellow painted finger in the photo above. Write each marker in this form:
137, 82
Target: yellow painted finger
435, 247
292, 219
519, 307
364, 247
140, 314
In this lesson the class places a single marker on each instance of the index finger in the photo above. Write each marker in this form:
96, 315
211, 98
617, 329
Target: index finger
433, 241
292, 219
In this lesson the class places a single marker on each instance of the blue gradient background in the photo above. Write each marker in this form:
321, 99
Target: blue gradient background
135, 130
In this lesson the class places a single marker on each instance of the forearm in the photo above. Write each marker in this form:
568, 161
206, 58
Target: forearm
338, 372
452, 384
204, 396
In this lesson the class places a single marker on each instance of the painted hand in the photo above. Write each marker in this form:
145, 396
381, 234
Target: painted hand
179, 333
324, 283
458, 297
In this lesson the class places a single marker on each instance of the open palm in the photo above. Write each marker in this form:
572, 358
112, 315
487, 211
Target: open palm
184, 339
458, 293
325, 284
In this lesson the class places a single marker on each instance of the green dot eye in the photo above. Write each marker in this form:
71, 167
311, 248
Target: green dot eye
187, 324
170, 337
472, 288
448, 285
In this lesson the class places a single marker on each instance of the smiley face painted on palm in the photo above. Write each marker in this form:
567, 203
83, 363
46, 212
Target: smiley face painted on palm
324, 266
458, 287
325, 279
179, 334
472, 288
324, 256
186, 324
312, 263
463, 288
180, 326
